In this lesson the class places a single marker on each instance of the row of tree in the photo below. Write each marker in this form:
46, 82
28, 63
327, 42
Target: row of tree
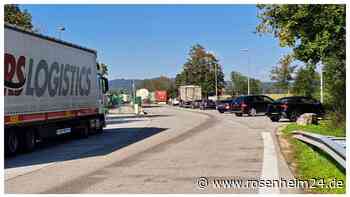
298, 80
316, 33
160, 83
239, 85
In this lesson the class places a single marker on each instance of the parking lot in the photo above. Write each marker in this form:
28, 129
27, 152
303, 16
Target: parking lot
165, 151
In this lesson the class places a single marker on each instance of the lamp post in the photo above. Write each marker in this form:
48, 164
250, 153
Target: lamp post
321, 84
246, 50
216, 77
60, 30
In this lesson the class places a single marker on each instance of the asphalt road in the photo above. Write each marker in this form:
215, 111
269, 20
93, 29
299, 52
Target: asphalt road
170, 150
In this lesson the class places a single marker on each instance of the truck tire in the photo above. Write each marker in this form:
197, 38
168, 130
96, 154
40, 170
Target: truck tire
28, 141
11, 143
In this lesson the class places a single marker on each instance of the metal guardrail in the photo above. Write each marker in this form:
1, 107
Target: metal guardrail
333, 146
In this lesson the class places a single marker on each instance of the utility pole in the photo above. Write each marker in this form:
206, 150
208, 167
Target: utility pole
246, 50
216, 81
216, 76
133, 91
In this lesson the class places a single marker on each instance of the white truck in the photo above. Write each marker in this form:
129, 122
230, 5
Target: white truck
190, 95
51, 88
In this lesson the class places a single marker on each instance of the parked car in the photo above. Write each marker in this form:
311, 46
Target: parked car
224, 105
207, 104
174, 102
251, 105
292, 107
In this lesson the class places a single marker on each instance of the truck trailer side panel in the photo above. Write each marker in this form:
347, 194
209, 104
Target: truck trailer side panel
46, 76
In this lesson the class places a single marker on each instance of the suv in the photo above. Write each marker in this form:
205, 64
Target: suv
293, 107
251, 105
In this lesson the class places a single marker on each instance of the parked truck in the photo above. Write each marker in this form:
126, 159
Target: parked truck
161, 96
51, 88
190, 95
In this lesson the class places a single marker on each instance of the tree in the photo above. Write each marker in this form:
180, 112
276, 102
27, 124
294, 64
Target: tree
306, 81
316, 32
282, 73
15, 16
200, 69
240, 84
255, 86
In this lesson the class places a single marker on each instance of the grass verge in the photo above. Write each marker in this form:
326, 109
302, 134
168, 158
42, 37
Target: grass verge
310, 163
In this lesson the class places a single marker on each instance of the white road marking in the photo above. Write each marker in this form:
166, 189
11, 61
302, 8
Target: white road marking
270, 167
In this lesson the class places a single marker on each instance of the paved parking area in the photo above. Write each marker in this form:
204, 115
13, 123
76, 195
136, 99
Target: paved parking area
170, 150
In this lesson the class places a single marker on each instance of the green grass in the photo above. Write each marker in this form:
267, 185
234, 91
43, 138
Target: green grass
313, 163
322, 129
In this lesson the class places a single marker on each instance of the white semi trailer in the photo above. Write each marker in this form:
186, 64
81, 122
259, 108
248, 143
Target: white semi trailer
51, 88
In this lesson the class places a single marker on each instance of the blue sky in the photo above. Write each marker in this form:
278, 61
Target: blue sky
144, 41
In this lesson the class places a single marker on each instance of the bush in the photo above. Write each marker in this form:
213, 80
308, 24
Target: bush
336, 120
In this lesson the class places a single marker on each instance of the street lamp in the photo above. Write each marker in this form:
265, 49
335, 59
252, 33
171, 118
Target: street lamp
216, 77
246, 50
60, 30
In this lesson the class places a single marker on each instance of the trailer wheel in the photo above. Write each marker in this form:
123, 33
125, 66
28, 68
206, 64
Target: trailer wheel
11, 143
28, 140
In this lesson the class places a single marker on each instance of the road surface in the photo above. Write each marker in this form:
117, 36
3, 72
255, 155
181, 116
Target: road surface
170, 150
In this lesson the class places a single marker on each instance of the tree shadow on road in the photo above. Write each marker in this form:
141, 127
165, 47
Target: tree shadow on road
64, 149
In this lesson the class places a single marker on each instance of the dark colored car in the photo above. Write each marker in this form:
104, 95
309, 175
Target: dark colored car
224, 105
251, 105
207, 104
292, 107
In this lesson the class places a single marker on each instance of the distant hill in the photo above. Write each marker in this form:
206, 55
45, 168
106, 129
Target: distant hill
119, 84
